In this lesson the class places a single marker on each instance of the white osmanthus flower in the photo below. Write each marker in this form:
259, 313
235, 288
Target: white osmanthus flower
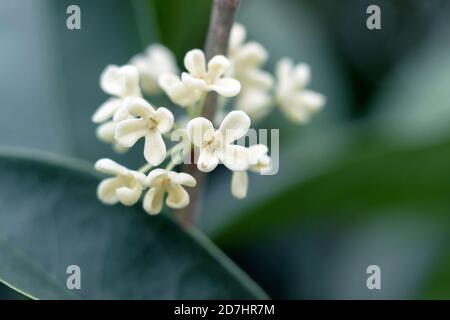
247, 59
145, 121
155, 61
209, 78
125, 187
291, 94
177, 91
217, 145
106, 132
259, 162
256, 102
162, 181
120, 82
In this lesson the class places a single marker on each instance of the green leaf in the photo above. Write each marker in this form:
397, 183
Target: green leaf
437, 286
50, 213
23, 273
362, 186
182, 24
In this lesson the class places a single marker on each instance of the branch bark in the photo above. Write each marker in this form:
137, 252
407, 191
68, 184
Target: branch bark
220, 24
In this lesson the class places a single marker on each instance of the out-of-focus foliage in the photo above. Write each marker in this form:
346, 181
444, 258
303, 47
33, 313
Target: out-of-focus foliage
409, 178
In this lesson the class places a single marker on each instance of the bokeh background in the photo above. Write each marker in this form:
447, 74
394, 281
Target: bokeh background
367, 182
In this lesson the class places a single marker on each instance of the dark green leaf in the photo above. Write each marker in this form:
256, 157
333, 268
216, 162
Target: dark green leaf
412, 177
23, 273
50, 213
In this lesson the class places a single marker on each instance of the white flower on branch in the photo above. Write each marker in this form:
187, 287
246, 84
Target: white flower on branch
217, 145
125, 187
120, 82
298, 103
177, 91
160, 182
246, 59
106, 132
155, 61
259, 162
145, 121
209, 78
255, 102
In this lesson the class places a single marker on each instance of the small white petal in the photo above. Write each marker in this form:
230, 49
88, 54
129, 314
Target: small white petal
178, 197
237, 36
120, 81
162, 58
259, 160
200, 130
154, 148
155, 177
207, 161
122, 112
106, 110
192, 82
283, 69
251, 55
195, 63
294, 112
165, 119
184, 179
239, 184
312, 100
234, 126
177, 91
235, 158
153, 200
129, 131
256, 103
110, 167
258, 150
106, 190
257, 79
226, 87
301, 75
139, 107
217, 66
105, 132
129, 196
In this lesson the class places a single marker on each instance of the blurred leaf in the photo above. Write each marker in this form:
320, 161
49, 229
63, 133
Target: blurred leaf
322, 259
437, 286
50, 213
23, 273
413, 106
182, 24
31, 113
411, 177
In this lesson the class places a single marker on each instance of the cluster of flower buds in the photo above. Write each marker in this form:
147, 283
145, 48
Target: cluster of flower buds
127, 117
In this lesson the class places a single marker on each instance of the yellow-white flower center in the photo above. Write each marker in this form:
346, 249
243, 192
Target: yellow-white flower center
152, 123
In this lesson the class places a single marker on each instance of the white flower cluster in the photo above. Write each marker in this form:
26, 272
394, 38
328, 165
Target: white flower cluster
261, 92
127, 117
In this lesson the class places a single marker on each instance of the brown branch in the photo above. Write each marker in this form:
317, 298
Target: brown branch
222, 19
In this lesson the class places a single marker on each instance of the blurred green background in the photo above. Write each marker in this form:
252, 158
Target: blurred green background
367, 182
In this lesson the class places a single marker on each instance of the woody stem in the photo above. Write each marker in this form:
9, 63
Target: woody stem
222, 19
